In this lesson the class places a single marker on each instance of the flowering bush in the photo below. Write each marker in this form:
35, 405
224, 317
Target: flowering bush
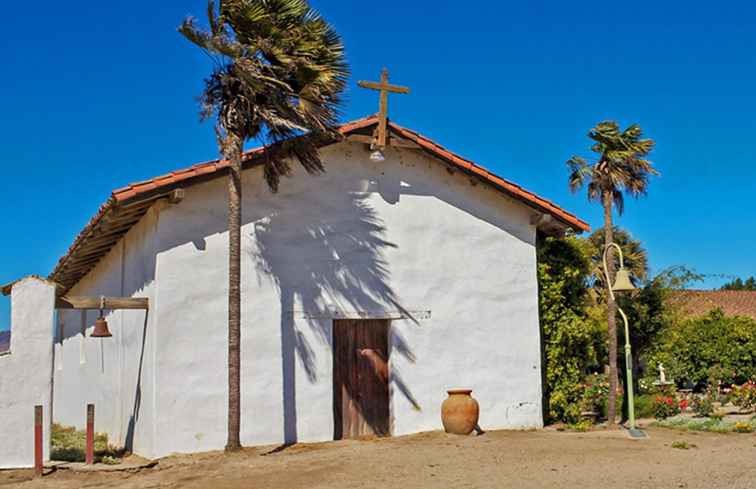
684, 404
665, 406
742, 427
595, 393
703, 405
744, 396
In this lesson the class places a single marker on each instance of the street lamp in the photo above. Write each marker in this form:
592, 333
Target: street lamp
622, 283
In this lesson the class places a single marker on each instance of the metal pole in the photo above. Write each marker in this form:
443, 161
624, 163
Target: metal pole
90, 434
38, 465
634, 432
629, 368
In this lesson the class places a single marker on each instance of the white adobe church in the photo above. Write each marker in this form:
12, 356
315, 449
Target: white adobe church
425, 257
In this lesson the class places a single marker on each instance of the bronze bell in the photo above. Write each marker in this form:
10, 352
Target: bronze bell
101, 329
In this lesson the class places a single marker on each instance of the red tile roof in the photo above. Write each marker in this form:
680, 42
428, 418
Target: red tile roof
127, 205
694, 303
214, 167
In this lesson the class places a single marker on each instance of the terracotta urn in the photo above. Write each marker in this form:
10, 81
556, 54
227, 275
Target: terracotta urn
459, 412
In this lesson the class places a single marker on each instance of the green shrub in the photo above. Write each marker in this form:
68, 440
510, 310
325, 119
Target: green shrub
570, 337
69, 445
580, 426
644, 406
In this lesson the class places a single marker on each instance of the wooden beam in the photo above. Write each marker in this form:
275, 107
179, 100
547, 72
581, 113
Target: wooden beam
99, 250
383, 85
403, 143
539, 220
176, 196
360, 138
137, 211
77, 265
393, 141
111, 229
111, 303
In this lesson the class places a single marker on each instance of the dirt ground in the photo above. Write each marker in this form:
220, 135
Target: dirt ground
522, 460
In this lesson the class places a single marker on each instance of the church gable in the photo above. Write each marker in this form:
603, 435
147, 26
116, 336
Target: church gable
128, 205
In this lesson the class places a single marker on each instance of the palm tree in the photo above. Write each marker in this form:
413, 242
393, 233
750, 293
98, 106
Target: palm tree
621, 167
279, 70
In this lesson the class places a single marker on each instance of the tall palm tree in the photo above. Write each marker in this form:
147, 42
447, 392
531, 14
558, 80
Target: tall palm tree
279, 70
621, 167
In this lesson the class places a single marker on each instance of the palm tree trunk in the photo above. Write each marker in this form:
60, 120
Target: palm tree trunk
611, 311
234, 149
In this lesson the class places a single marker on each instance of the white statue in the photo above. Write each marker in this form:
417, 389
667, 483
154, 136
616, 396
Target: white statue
662, 374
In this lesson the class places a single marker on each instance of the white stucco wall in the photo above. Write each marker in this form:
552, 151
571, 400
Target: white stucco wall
451, 260
401, 238
26, 373
116, 374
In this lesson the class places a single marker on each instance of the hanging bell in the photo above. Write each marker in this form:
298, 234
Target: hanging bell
101, 329
622, 282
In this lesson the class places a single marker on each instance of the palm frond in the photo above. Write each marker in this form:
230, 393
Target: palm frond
579, 172
621, 166
281, 71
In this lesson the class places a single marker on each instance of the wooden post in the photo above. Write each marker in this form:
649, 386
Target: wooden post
90, 434
38, 440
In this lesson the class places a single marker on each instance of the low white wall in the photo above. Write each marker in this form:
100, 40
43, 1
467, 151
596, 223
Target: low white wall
115, 374
26, 372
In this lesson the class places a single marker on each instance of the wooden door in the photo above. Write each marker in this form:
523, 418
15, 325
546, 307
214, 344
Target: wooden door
360, 378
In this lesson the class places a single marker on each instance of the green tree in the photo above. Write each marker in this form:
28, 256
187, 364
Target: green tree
571, 341
279, 72
739, 284
694, 348
621, 167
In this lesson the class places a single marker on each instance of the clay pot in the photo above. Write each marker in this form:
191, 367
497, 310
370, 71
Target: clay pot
459, 412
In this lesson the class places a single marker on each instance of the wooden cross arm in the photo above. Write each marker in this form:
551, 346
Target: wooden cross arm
383, 86
110, 303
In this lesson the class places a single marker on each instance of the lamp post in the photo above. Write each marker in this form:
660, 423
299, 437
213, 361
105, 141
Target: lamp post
622, 283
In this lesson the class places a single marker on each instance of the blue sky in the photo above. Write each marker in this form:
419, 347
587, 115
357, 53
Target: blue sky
100, 94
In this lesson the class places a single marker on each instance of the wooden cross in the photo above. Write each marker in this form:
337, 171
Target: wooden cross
384, 87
